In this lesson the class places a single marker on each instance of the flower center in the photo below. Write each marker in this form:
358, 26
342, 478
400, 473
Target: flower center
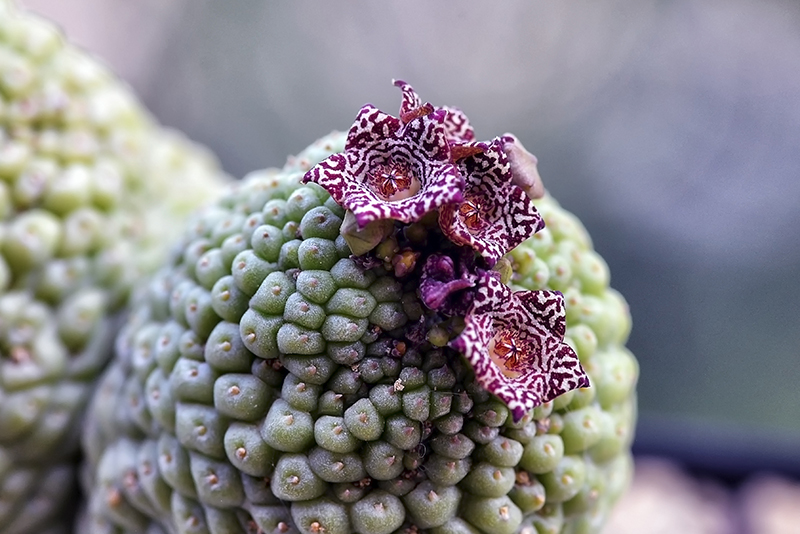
394, 182
470, 212
507, 352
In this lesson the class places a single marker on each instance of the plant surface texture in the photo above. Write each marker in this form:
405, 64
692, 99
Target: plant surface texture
91, 192
397, 332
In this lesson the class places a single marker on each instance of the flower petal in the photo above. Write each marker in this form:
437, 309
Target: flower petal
456, 123
439, 283
391, 171
411, 105
496, 215
514, 344
457, 126
523, 167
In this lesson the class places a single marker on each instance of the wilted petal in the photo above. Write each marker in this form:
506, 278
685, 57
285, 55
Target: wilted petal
495, 215
524, 172
389, 170
515, 344
439, 283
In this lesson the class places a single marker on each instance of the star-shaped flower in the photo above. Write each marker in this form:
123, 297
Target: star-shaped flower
496, 215
515, 344
456, 123
391, 169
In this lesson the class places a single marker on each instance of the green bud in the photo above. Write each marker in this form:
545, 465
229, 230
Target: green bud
32, 239
388, 316
232, 246
360, 241
382, 460
331, 433
259, 333
347, 353
528, 493
501, 451
210, 267
247, 452
336, 467
445, 471
379, 512
273, 293
387, 401
315, 369
346, 381
316, 253
288, 257
192, 381
343, 328
364, 421
300, 202
430, 505
299, 394
346, 273
317, 286
287, 429
200, 428
293, 339
241, 396
487, 480
583, 428
321, 515
199, 313
267, 241
249, 271
173, 464
218, 483
320, 222
226, 351
227, 300
497, 515
274, 212
565, 480
294, 480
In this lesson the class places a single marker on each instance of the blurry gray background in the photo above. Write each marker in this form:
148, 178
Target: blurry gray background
671, 128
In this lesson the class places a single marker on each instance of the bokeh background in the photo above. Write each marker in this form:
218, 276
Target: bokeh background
671, 128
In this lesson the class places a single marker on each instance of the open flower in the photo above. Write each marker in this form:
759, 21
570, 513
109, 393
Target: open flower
391, 170
456, 123
515, 344
495, 215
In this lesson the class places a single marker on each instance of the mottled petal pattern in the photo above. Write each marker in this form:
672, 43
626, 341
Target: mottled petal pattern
411, 105
391, 170
496, 215
456, 123
515, 344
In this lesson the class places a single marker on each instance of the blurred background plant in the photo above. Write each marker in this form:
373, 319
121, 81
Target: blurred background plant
670, 128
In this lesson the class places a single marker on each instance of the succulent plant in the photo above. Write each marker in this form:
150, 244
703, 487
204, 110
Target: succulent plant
397, 332
91, 192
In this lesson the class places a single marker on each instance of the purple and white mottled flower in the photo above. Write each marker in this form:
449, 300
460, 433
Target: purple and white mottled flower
391, 169
456, 123
496, 215
515, 344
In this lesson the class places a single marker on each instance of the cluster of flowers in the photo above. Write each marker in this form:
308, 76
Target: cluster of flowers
428, 161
